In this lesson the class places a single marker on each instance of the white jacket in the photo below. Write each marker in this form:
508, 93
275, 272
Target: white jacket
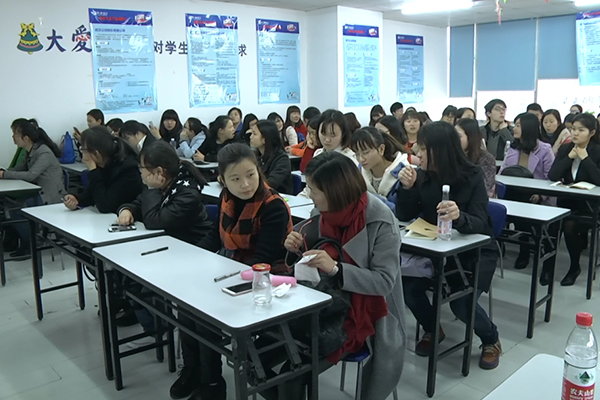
291, 135
389, 179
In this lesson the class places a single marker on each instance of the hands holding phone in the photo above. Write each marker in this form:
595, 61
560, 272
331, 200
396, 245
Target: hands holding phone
70, 202
125, 218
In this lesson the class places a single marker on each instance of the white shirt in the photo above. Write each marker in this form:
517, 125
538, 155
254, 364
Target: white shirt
141, 144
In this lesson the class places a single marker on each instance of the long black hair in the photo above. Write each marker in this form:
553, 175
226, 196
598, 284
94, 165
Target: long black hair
35, 133
393, 125
474, 136
110, 148
371, 138
375, 111
551, 137
530, 133
196, 126
132, 127
161, 154
590, 123
219, 123
269, 132
288, 118
248, 119
328, 119
445, 157
274, 117
97, 114
115, 124
164, 133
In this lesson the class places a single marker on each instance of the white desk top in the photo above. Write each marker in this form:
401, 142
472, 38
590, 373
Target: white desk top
499, 163
77, 167
543, 187
213, 190
302, 212
458, 244
86, 225
293, 157
9, 186
186, 272
535, 212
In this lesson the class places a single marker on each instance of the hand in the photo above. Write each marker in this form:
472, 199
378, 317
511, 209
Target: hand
184, 135
1, 174
154, 130
125, 218
581, 153
502, 125
198, 156
91, 164
71, 202
288, 149
448, 211
293, 242
309, 142
573, 153
322, 260
76, 134
536, 198
155, 181
407, 177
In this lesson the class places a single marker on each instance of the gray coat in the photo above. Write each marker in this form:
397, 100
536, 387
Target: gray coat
376, 251
41, 167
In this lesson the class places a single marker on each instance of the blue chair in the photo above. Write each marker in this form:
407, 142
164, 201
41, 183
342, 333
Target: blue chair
301, 137
359, 358
297, 181
84, 179
212, 211
500, 189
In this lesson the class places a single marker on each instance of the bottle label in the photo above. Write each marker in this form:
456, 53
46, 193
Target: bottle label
578, 383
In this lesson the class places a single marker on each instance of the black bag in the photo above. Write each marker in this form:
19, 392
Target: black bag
517, 194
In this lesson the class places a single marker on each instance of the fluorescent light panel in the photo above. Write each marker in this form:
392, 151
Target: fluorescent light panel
585, 3
432, 6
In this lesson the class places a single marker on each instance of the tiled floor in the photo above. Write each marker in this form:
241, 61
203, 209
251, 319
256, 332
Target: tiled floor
60, 357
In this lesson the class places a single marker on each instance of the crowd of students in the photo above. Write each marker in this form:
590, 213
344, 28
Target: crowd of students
361, 180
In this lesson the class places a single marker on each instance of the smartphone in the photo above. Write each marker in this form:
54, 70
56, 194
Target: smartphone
121, 228
237, 290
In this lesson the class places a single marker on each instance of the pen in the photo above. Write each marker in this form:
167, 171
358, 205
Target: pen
155, 251
223, 277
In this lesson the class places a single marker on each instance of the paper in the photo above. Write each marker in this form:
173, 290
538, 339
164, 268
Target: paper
578, 185
303, 272
423, 228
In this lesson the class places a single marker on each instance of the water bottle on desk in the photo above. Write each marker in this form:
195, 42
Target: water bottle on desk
444, 227
581, 359
173, 143
261, 284
506, 148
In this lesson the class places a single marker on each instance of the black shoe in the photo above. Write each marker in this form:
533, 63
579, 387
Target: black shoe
570, 277
128, 318
21, 254
545, 277
522, 261
217, 391
186, 384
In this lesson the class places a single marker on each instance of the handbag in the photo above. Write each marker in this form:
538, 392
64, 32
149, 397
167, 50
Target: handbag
68, 150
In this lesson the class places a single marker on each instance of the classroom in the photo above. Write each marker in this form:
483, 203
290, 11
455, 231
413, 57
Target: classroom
289, 200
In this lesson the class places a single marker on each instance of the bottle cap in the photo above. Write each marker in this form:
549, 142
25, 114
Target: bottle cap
261, 267
446, 188
584, 319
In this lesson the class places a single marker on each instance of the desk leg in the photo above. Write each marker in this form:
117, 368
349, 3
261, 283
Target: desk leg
471, 325
80, 289
36, 266
114, 335
556, 243
240, 363
537, 240
2, 265
438, 265
313, 393
108, 367
593, 250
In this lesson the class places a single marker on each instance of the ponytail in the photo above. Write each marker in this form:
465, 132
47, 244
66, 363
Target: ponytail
161, 154
36, 134
111, 148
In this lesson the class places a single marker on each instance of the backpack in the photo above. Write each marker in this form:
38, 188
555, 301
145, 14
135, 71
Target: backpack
68, 150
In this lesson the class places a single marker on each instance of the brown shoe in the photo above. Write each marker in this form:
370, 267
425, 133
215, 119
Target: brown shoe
490, 355
423, 348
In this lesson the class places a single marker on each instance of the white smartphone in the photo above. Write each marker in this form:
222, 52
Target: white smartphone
237, 290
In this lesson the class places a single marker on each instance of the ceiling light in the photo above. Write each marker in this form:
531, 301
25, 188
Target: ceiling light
585, 3
422, 6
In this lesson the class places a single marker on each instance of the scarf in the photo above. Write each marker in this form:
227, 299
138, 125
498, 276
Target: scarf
364, 310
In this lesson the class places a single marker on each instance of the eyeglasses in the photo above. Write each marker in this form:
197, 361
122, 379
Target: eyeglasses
499, 109
363, 154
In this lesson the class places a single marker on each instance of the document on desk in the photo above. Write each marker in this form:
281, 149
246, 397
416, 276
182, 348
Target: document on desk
578, 185
421, 229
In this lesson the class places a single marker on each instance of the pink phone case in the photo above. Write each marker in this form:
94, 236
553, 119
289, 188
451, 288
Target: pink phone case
276, 280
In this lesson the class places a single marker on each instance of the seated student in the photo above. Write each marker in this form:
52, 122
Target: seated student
113, 174
94, 118
578, 161
137, 135
391, 126
352, 122
535, 109
308, 143
424, 117
397, 110
553, 132
250, 121
411, 125
19, 155
220, 133
449, 115
311, 144
309, 114
273, 160
169, 128
39, 166
443, 162
288, 138
576, 109
410, 109
369, 274
470, 141
377, 112
115, 125
254, 221
381, 158
496, 132
293, 123
465, 113
568, 122
235, 115
191, 138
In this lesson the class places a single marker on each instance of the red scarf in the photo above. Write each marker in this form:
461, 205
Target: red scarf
364, 310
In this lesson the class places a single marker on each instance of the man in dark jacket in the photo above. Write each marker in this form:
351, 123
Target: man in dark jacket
496, 132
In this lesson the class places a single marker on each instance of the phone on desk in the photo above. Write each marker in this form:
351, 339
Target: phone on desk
121, 228
237, 290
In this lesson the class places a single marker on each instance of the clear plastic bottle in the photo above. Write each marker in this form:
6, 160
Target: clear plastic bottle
261, 284
444, 227
173, 143
581, 359
506, 148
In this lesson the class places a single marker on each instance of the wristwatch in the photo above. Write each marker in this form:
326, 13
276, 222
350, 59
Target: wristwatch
335, 269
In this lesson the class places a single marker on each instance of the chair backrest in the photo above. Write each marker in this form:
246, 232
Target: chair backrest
66, 179
500, 189
297, 181
497, 213
212, 211
84, 179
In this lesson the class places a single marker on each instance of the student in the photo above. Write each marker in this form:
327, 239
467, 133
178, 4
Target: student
370, 272
274, 162
293, 123
397, 110
253, 224
391, 126
113, 174
578, 161
411, 124
288, 138
443, 162
465, 113
496, 132
39, 166
535, 109
381, 158
309, 114
568, 122
94, 118
19, 155
553, 132
312, 142
169, 128
424, 117
352, 122
137, 135
250, 121
220, 134
115, 125
235, 115
308, 143
191, 138
470, 142
576, 109
410, 109
449, 115
377, 112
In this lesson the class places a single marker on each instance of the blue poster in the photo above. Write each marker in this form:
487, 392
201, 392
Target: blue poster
278, 61
410, 66
123, 60
361, 65
213, 61
588, 48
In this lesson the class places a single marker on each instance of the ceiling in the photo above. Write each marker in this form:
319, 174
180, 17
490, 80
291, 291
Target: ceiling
483, 11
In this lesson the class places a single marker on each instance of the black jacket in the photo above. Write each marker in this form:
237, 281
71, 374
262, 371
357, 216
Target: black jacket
210, 148
149, 140
496, 140
278, 171
115, 184
178, 210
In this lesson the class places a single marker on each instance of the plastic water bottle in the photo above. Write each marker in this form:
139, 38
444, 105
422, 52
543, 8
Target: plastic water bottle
581, 359
444, 227
506, 148
173, 143
261, 284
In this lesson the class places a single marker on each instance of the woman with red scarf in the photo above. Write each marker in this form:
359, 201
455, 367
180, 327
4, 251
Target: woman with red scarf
368, 270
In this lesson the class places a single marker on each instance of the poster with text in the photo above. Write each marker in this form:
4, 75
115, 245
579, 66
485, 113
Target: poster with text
588, 48
410, 68
278, 61
123, 60
213, 61
361, 65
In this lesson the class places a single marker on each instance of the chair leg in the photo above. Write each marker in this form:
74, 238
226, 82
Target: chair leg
62, 260
395, 393
418, 333
359, 376
501, 260
52, 254
343, 378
